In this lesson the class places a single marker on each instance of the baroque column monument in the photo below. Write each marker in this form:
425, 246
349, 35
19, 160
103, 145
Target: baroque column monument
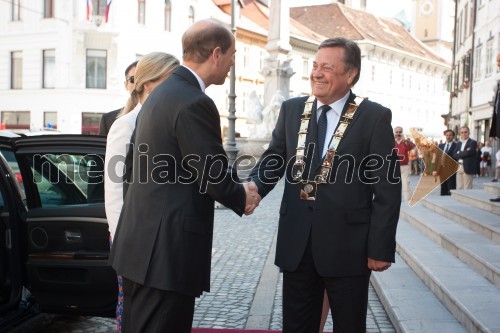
277, 72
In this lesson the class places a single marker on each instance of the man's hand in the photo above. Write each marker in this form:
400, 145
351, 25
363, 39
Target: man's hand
253, 197
377, 265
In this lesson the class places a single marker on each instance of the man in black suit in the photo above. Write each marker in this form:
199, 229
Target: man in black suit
336, 225
163, 243
465, 154
108, 119
495, 122
449, 147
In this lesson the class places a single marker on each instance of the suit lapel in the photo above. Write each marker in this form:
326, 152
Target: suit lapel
351, 98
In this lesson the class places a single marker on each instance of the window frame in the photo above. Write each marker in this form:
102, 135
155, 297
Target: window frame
141, 12
168, 16
46, 72
15, 10
96, 79
16, 70
48, 8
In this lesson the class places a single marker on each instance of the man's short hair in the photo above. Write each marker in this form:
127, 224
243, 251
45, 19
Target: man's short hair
449, 130
197, 46
352, 53
132, 65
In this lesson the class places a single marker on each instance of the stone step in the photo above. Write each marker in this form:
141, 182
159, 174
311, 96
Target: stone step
483, 255
493, 188
410, 304
485, 223
477, 198
471, 299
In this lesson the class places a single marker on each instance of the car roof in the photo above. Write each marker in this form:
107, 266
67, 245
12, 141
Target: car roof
8, 134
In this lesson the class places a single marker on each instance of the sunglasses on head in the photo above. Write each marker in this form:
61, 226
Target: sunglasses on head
130, 79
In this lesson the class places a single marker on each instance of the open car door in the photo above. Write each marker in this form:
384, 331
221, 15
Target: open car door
67, 232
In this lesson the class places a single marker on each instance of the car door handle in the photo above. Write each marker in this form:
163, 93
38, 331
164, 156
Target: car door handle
73, 236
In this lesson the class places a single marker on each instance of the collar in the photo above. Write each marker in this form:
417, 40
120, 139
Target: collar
398, 142
336, 106
200, 81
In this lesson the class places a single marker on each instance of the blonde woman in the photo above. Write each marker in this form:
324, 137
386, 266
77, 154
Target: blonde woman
151, 71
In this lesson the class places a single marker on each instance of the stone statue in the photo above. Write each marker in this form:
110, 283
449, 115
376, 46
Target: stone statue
261, 121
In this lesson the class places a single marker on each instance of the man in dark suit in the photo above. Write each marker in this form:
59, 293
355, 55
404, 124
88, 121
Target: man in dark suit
163, 243
449, 147
465, 154
334, 241
108, 119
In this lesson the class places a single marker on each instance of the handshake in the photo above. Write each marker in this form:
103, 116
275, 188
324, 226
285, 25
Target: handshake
253, 197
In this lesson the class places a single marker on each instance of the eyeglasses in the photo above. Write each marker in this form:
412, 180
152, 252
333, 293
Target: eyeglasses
398, 132
130, 79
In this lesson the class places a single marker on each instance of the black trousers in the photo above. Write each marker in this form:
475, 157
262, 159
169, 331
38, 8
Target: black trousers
153, 310
449, 184
303, 299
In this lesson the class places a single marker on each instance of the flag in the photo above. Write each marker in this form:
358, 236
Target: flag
89, 10
106, 13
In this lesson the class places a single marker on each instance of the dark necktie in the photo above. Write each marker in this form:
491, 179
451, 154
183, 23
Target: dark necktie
447, 148
322, 125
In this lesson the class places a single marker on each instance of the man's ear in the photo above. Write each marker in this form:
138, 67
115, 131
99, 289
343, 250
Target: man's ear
216, 54
351, 75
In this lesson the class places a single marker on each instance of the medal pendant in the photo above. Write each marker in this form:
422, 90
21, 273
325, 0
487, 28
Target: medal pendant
308, 191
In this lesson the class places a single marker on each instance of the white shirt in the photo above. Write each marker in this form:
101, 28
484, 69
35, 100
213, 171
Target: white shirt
332, 117
117, 145
462, 148
200, 81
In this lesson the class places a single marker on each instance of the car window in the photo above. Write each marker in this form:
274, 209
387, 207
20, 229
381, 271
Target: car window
67, 179
10, 157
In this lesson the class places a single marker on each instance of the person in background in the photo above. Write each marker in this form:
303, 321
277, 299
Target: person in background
478, 158
449, 147
485, 163
403, 146
466, 156
495, 126
413, 158
107, 119
151, 71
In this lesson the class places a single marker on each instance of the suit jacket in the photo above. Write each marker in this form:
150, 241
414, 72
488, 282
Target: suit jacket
495, 122
468, 156
107, 120
451, 150
165, 231
350, 220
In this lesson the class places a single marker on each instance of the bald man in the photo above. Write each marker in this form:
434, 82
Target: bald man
163, 243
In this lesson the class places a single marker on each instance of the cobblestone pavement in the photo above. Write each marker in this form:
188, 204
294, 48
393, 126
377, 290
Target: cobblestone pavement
241, 247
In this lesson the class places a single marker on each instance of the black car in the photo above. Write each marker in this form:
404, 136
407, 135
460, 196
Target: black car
54, 239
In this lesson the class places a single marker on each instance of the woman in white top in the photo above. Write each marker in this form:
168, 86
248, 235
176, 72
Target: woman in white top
151, 71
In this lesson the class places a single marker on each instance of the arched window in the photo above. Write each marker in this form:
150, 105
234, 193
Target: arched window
191, 15
168, 15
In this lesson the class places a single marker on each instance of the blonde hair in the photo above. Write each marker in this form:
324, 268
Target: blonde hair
150, 68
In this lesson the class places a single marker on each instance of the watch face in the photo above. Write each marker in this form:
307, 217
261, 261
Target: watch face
426, 8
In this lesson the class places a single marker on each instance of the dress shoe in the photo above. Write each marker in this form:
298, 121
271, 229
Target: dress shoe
494, 180
497, 199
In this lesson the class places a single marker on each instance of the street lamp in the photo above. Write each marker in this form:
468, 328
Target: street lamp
231, 149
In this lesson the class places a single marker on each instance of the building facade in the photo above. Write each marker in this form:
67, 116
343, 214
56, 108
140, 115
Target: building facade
485, 73
62, 63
